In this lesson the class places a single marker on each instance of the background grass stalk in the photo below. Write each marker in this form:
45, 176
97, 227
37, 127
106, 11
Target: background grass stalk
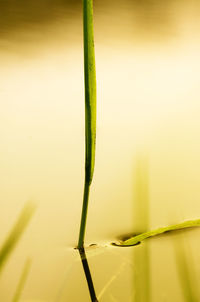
141, 271
16, 233
22, 281
186, 270
90, 110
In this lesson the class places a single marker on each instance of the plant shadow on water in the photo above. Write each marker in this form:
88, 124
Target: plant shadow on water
88, 275
185, 268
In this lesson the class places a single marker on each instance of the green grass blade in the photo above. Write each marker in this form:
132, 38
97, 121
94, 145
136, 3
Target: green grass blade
90, 89
16, 233
22, 281
137, 239
90, 109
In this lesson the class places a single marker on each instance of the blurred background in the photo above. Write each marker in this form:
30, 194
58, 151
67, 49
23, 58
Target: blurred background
148, 65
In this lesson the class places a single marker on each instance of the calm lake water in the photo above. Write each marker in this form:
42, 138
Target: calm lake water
148, 68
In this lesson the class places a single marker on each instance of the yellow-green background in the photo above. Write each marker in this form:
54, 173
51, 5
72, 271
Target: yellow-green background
148, 71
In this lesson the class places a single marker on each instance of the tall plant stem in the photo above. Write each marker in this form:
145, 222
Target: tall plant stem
84, 215
90, 110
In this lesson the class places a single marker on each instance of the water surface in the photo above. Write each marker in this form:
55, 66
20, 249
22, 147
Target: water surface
147, 57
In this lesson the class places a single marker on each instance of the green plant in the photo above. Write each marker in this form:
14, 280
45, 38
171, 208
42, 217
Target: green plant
16, 233
90, 110
90, 142
137, 239
22, 281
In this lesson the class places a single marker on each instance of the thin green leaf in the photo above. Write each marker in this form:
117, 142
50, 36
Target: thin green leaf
90, 110
16, 233
137, 239
90, 89
141, 194
22, 281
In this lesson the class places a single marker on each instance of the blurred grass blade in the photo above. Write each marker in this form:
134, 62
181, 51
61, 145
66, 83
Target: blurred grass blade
141, 271
90, 89
141, 192
90, 109
137, 239
186, 271
142, 290
22, 281
112, 298
16, 233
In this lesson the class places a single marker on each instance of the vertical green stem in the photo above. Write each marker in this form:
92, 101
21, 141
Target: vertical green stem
88, 275
90, 110
84, 215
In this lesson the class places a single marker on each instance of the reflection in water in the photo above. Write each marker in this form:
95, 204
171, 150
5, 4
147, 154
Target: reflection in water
16, 233
185, 269
22, 281
88, 275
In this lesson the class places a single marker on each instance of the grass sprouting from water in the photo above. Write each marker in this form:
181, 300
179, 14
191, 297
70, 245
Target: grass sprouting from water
22, 281
137, 239
90, 110
16, 233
